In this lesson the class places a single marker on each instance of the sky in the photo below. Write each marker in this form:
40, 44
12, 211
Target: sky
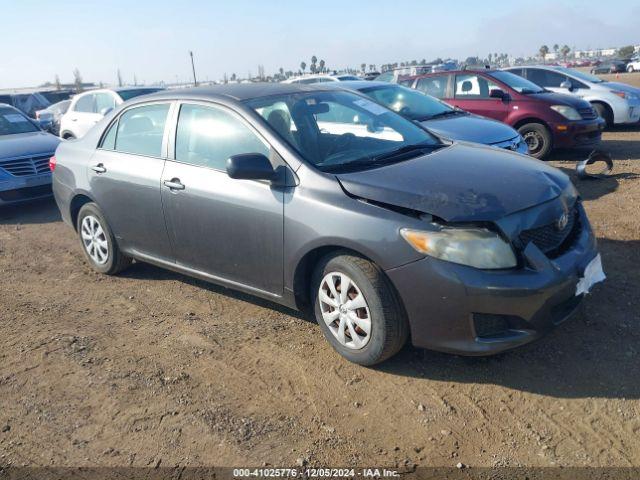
151, 39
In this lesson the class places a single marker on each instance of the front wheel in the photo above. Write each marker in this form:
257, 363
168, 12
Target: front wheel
358, 309
604, 113
98, 243
538, 139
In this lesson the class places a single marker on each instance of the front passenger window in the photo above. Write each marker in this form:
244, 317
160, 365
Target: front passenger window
140, 130
208, 136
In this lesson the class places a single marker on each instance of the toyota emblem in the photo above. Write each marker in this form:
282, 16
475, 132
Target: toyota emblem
562, 221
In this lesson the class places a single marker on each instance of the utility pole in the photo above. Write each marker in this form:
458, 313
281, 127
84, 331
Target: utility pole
193, 67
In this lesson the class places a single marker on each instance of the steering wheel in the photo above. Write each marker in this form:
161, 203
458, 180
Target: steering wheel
342, 143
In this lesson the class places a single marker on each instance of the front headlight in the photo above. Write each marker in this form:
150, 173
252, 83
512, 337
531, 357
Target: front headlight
567, 112
476, 247
626, 95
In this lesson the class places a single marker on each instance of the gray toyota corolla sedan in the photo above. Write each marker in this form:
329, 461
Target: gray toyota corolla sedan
316, 197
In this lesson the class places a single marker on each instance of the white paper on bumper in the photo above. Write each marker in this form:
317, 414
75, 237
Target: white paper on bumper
592, 274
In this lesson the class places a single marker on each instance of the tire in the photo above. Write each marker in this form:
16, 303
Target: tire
106, 256
369, 286
630, 69
68, 136
604, 112
538, 138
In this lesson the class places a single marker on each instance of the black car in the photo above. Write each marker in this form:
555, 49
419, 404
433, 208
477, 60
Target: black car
611, 66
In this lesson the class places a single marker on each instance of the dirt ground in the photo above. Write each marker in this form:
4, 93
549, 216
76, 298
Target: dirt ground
153, 368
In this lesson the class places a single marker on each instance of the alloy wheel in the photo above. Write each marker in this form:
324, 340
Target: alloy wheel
94, 239
345, 310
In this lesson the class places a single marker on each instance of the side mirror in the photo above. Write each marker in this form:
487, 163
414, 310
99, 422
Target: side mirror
497, 93
566, 84
46, 125
250, 166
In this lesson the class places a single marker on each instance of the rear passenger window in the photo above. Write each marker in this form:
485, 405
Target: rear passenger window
545, 78
434, 86
85, 104
471, 86
208, 136
140, 130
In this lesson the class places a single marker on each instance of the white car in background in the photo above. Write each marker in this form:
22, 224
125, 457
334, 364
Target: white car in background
321, 78
634, 65
618, 103
88, 108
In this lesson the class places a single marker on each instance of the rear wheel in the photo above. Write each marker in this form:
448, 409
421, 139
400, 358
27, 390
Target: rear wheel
357, 309
538, 139
98, 243
604, 112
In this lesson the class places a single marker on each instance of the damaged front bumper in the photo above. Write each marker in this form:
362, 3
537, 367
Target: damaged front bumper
464, 310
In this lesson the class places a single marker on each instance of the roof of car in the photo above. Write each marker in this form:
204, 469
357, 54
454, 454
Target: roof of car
236, 91
358, 84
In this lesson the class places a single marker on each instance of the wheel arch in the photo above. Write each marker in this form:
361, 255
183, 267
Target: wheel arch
308, 262
607, 107
77, 202
523, 121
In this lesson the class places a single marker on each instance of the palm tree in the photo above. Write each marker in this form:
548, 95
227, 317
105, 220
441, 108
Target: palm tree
363, 66
77, 80
556, 47
322, 66
314, 60
303, 65
544, 50
565, 51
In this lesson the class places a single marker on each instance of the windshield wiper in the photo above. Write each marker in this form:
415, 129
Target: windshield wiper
446, 113
384, 158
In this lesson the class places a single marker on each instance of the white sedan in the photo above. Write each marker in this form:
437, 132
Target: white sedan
88, 108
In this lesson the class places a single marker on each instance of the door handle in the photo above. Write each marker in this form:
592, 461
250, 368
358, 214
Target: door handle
74, 119
174, 184
99, 168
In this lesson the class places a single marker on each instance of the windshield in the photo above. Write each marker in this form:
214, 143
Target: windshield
587, 77
409, 103
128, 94
13, 122
519, 84
342, 131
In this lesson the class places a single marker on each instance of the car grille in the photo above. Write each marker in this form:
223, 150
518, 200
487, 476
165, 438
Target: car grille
24, 166
511, 144
587, 113
549, 239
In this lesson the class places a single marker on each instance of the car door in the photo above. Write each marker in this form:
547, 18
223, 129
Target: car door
124, 177
226, 228
83, 115
471, 92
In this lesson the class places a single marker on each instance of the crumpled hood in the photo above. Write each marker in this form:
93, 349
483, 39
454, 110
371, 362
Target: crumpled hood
463, 182
471, 128
621, 87
23, 144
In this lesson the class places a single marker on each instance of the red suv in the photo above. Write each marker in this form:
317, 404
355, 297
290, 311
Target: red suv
545, 119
